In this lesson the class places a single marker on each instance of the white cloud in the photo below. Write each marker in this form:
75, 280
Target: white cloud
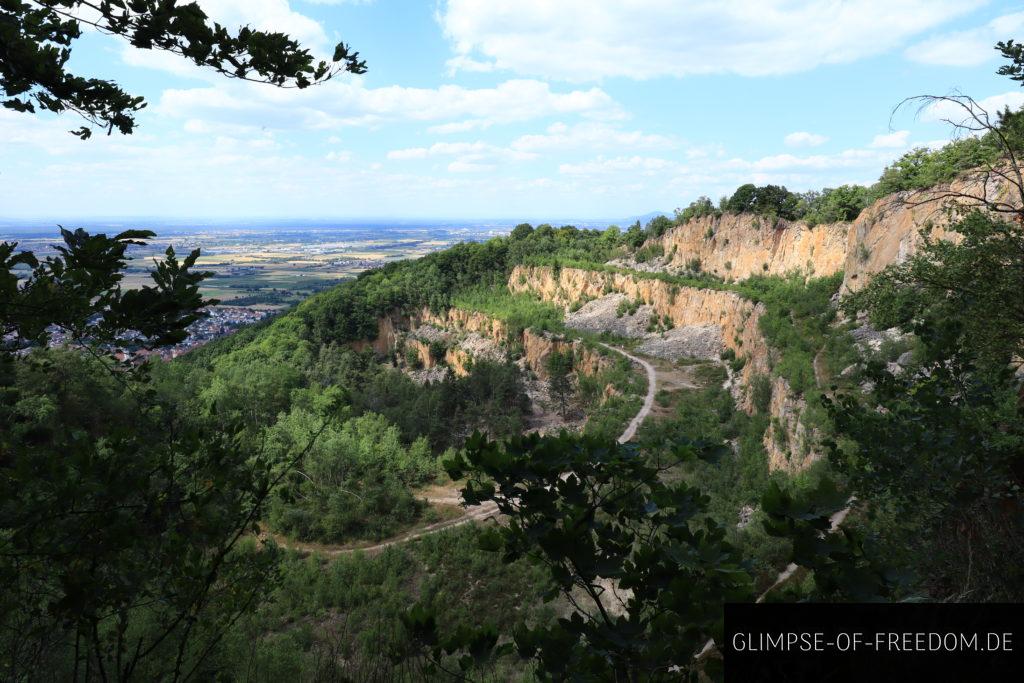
589, 136
266, 15
944, 110
896, 139
972, 47
461, 166
635, 165
469, 156
348, 102
583, 40
464, 63
804, 139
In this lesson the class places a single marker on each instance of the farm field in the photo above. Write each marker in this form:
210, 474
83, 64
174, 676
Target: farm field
268, 267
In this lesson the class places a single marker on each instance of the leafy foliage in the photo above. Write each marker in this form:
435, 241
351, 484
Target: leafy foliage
593, 511
354, 483
121, 517
843, 203
518, 311
78, 291
37, 38
699, 208
940, 445
349, 618
559, 365
768, 200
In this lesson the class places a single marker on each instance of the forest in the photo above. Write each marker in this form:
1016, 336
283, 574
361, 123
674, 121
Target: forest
261, 508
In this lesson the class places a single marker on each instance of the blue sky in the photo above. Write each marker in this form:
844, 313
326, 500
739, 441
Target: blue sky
517, 109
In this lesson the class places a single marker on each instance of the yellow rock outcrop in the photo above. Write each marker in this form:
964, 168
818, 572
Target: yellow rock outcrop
736, 247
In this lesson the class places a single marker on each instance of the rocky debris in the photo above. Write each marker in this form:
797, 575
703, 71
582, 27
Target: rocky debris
898, 366
691, 341
438, 373
430, 333
746, 516
479, 347
655, 265
687, 341
604, 315
867, 337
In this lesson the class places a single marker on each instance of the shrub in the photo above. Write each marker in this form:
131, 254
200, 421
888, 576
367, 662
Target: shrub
698, 208
843, 203
768, 200
649, 252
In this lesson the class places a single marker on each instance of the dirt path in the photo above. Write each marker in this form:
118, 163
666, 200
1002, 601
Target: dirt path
652, 388
834, 523
478, 512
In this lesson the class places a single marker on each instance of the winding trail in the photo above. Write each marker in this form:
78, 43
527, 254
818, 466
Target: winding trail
652, 389
485, 510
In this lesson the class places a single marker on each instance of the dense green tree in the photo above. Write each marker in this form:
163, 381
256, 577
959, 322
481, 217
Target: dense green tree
936, 446
1014, 52
768, 200
122, 514
559, 365
698, 208
121, 517
646, 570
521, 231
635, 236
658, 226
37, 37
843, 203
353, 483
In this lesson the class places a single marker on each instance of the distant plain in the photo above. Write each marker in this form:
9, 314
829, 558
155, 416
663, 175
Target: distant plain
267, 266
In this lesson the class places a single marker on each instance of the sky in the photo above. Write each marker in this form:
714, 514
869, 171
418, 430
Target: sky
516, 109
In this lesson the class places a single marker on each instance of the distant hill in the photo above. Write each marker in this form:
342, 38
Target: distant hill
644, 219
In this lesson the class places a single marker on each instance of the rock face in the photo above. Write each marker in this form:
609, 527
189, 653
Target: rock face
732, 319
470, 336
889, 231
735, 316
736, 247
786, 441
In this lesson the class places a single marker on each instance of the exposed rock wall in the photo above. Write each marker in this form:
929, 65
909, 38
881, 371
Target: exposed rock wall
471, 336
736, 316
736, 247
786, 441
890, 230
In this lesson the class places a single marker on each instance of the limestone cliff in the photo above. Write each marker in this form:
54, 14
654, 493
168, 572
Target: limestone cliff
890, 230
470, 335
735, 247
736, 316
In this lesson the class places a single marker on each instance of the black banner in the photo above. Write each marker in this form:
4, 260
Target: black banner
872, 643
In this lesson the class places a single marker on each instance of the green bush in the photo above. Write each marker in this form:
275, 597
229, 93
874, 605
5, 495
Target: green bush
698, 208
353, 484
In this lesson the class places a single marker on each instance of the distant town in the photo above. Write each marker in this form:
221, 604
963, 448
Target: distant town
261, 271
220, 321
